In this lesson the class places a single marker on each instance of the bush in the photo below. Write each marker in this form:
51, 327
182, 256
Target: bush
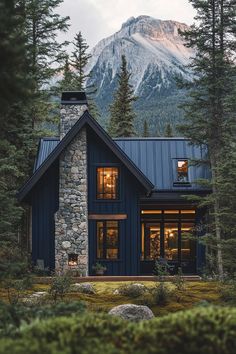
228, 292
60, 286
161, 293
208, 330
13, 316
131, 290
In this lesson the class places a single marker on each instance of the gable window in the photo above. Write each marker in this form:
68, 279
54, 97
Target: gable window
107, 182
182, 171
108, 240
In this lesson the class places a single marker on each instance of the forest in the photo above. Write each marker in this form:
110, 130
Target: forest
30, 58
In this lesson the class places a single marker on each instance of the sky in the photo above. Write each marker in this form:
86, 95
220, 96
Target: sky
97, 19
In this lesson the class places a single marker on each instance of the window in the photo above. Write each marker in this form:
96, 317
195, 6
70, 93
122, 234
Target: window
108, 240
171, 241
107, 182
182, 171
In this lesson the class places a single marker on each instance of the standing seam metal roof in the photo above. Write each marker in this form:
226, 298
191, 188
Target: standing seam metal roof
155, 157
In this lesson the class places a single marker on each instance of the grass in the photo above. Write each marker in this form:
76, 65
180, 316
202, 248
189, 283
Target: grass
104, 299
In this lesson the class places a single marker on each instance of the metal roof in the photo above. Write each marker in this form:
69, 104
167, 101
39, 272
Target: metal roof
155, 157
85, 120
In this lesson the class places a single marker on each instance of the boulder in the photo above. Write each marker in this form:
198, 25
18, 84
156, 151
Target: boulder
130, 289
35, 298
85, 288
132, 312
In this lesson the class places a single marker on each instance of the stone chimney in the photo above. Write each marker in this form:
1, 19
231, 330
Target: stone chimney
71, 219
73, 105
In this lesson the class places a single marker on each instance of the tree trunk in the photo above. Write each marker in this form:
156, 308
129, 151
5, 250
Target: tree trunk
216, 207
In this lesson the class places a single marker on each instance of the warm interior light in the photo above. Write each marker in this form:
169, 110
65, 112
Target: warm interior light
72, 259
151, 212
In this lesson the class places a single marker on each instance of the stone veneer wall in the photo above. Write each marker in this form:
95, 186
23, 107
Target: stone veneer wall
71, 220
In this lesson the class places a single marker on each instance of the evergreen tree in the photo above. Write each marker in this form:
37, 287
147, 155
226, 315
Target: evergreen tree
122, 114
67, 82
145, 129
210, 110
15, 132
168, 130
45, 53
79, 60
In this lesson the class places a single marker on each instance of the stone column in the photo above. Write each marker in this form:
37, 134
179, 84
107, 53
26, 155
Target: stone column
71, 220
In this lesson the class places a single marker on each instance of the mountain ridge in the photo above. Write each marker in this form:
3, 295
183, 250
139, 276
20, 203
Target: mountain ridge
155, 54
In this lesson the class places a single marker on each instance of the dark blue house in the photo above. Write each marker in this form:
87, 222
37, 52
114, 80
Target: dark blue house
120, 202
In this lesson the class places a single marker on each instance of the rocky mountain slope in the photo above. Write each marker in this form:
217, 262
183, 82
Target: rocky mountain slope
156, 54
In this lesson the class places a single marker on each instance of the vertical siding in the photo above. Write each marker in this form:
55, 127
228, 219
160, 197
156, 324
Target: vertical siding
44, 204
128, 264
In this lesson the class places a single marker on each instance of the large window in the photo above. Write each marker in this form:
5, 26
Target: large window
107, 240
107, 182
182, 171
168, 234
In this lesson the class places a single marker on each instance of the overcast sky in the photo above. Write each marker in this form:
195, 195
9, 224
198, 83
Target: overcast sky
97, 19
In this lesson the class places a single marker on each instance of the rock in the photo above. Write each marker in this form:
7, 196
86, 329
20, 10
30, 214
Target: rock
35, 298
132, 312
85, 288
135, 288
66, 244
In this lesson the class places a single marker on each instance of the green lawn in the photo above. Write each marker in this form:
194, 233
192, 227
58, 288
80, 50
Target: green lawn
104, 299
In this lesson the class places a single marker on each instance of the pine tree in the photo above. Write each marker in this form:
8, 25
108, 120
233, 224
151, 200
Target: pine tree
145, 129
79, 60
15, 132
210, 111
168, 130
122, 114
68, 77
45, 53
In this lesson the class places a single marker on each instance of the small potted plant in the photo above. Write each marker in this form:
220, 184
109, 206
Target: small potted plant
99, 269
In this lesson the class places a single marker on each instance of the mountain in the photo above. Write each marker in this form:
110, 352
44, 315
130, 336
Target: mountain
156, 54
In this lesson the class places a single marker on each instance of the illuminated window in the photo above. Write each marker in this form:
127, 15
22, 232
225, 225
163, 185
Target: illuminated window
151, 212
151, 241
107, 240
187, 242
171, 241
107, 182
182, 171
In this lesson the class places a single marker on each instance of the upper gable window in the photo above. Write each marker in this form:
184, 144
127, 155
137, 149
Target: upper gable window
182, 171
107, 182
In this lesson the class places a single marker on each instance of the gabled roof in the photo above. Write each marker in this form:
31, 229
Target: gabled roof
86, 119
155, 157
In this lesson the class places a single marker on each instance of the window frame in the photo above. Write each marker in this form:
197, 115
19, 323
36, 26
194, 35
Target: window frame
118, 183
181, 183
104, 243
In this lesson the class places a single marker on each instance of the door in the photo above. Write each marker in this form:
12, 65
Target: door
151, 246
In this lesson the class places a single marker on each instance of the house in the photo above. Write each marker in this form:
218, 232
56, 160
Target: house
121, 202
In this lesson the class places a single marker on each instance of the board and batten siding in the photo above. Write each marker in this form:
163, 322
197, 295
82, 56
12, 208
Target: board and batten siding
128, 203
44, 202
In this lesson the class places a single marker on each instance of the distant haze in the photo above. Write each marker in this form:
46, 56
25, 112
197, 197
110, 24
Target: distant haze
97, 19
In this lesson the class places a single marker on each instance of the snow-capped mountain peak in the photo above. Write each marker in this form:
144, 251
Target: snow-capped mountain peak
155, 53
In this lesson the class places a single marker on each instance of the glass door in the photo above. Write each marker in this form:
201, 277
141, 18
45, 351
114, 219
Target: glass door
151, 246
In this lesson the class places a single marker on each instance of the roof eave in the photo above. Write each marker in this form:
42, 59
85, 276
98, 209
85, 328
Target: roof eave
86, 118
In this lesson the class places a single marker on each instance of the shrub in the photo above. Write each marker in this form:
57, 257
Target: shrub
161, 293
179, 281
60, 286
13, 316
228, 292
209, 330
131, 290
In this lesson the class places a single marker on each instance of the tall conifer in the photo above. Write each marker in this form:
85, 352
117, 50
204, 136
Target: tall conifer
122, 114
210, 111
